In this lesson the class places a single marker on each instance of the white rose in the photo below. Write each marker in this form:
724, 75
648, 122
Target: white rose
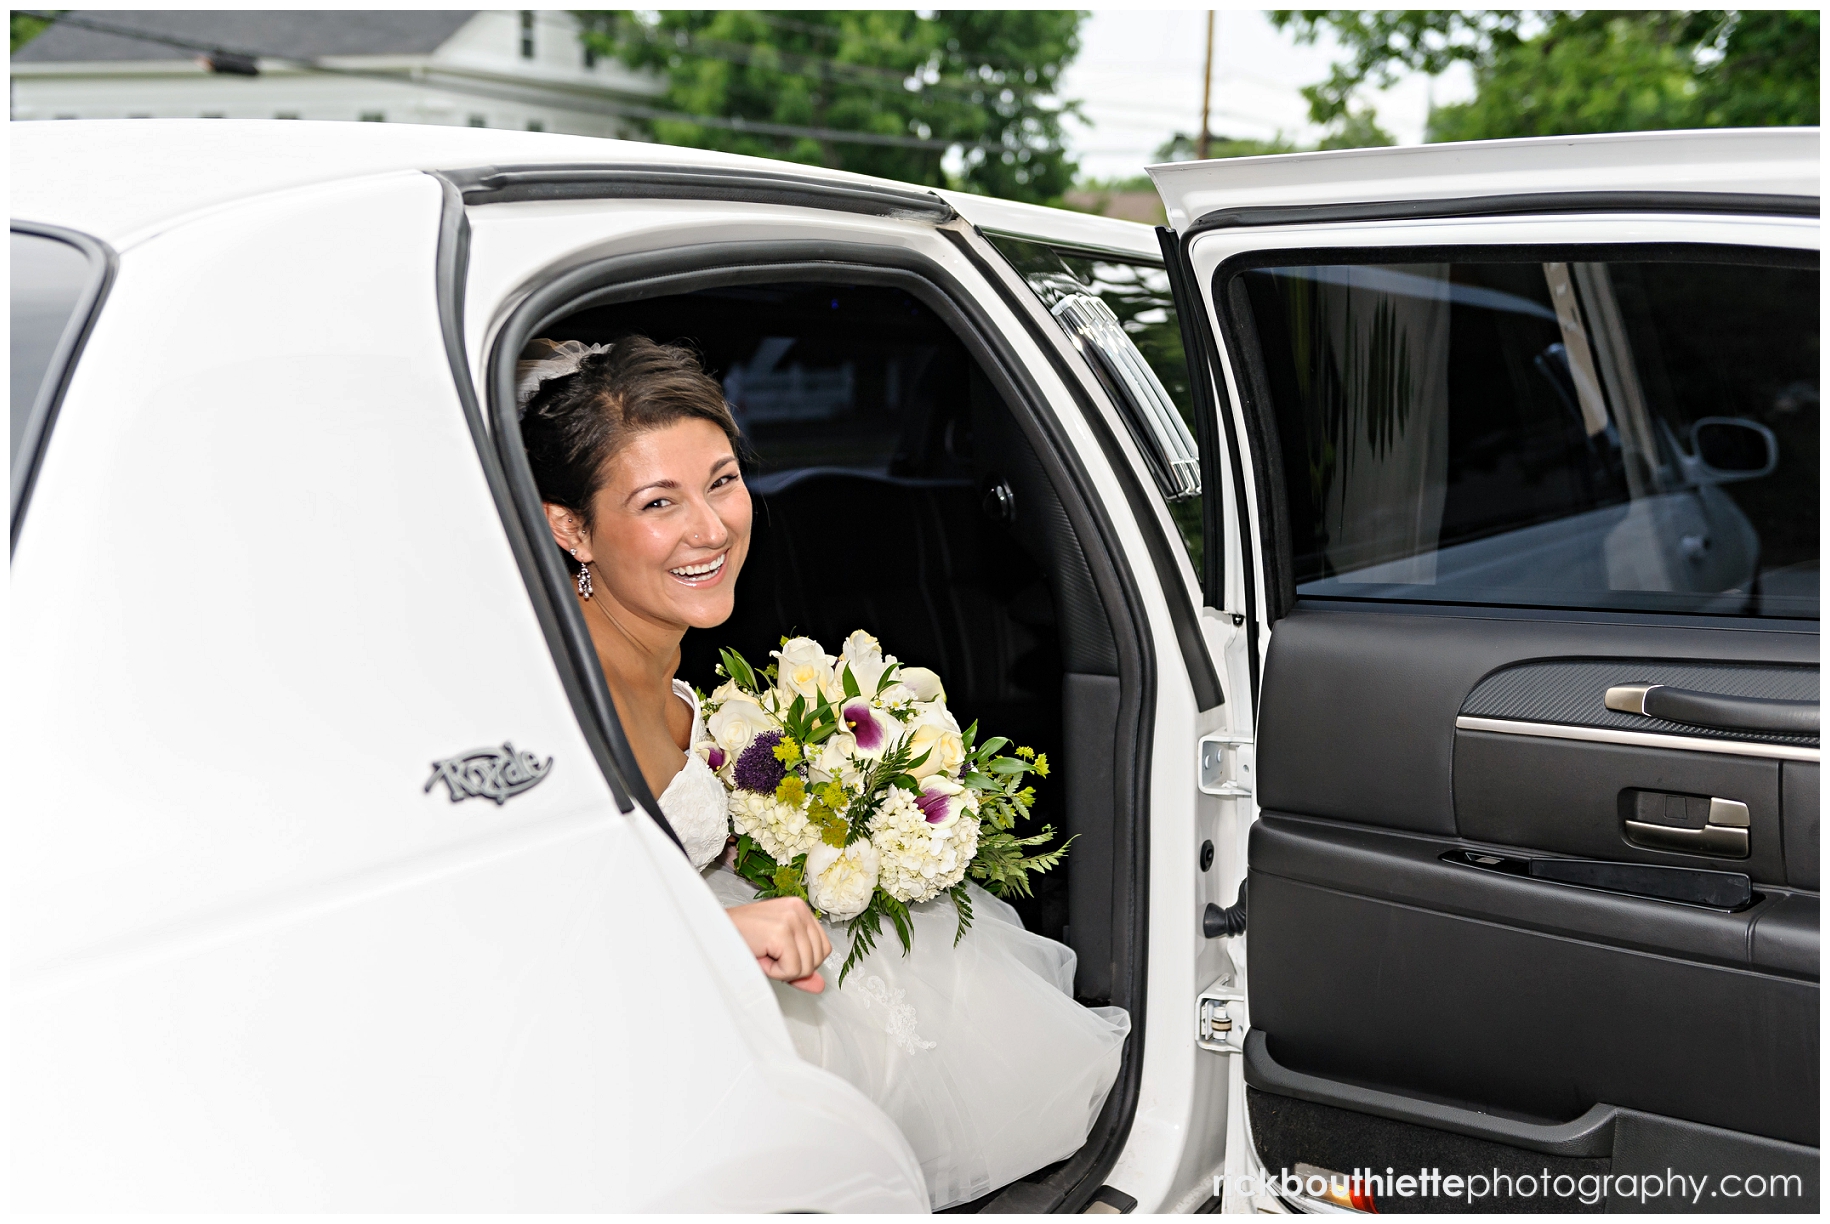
923, 683
840, 882
867, 672
937, 734
861, 647
827, 761
803, 669
737, 722
725, 692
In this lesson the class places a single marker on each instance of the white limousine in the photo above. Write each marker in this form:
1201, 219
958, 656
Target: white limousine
1408, 556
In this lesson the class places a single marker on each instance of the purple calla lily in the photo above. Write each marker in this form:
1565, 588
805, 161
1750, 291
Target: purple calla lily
935, 806
714, 757
864, 726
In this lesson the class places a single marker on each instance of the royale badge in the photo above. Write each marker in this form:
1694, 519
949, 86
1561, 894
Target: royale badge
489, 773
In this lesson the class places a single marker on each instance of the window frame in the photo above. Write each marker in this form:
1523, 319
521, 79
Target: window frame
651, 273
1241, 343
1210, 577
104, 264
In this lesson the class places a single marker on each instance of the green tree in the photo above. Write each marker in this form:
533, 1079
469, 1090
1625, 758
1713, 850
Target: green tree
983, 82
1562, 72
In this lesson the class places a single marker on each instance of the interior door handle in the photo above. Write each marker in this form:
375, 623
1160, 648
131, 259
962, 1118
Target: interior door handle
1714, 709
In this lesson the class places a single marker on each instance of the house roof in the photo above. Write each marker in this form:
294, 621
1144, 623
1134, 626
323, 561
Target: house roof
283, 33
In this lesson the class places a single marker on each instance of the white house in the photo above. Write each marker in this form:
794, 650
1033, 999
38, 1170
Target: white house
497, 68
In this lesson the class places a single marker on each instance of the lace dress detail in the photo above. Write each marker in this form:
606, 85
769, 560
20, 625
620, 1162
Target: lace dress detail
694, 802
902, 1019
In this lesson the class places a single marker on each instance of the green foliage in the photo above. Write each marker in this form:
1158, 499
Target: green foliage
981, 80
867, 926
1767, 74
1563, 72
1183, 147
1357, 129
26, 28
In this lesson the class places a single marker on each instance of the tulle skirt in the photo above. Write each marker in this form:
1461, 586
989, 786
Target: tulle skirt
978, 1052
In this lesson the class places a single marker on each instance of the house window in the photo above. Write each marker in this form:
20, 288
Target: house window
536, 125
285, 114
139, 116
479, 121
527, 33
373, 117
210, 115
590, 58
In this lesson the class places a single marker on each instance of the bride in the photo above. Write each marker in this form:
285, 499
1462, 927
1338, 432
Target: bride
977, 1051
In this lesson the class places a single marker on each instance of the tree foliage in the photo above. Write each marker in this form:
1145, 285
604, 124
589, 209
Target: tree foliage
984, 82
26, 28
1563, 72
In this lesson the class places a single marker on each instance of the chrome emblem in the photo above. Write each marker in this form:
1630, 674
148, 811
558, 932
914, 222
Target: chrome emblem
489, 773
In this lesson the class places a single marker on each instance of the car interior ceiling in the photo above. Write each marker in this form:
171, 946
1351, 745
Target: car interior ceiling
895, 492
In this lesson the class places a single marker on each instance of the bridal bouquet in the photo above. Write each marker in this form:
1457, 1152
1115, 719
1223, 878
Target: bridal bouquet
853, 787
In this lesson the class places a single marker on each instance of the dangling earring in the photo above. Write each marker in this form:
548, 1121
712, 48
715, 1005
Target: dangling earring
584, 581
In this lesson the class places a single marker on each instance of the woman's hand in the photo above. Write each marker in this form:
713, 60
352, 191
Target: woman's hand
786, 939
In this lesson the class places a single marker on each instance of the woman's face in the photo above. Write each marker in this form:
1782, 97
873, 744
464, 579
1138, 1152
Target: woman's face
671, 526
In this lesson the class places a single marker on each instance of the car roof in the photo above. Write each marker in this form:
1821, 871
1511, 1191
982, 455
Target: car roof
123, 179
1775, 161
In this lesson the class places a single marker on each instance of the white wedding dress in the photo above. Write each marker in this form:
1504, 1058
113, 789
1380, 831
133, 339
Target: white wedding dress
978, 1052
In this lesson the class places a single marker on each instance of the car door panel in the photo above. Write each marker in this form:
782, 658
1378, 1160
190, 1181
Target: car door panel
1359, 706
1522, 1010
1798, 799
1433, 740
1507, 993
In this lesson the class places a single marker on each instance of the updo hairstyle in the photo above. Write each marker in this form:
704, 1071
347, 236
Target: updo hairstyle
574, 425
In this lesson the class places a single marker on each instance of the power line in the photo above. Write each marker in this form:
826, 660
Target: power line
242, 61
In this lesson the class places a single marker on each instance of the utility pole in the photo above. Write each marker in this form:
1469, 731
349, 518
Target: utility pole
1207, 90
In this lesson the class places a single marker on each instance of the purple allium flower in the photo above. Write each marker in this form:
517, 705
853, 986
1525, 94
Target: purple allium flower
714, 756
757, 769
862, 722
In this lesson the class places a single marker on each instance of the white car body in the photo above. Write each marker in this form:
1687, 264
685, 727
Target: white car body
258, 962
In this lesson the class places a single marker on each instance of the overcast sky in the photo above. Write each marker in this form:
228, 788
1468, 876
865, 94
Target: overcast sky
1139, 77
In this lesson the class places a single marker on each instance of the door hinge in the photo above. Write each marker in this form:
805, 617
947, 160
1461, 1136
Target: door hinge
1227, 762
1220, 1018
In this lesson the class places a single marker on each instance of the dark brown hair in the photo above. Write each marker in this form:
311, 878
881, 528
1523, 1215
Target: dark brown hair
575, 425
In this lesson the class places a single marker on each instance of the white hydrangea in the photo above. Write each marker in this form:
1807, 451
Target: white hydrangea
840, 882
915, 860
782, 830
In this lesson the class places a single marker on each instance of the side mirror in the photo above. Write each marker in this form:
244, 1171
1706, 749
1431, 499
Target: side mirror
1158, 429
1731, 448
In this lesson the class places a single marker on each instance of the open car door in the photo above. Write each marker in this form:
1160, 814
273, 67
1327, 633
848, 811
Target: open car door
1529, 441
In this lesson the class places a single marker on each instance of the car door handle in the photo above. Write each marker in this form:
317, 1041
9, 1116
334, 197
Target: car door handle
1713, 710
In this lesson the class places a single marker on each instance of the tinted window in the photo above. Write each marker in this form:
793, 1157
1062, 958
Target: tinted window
1621, 434
49, 281
1138, 293
857, 377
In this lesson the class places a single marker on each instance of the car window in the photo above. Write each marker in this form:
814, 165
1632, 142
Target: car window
1635, 434
50, 280
857, 377
1138, 293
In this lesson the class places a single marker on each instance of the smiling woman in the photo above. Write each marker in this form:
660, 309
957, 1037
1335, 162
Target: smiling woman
635, 455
